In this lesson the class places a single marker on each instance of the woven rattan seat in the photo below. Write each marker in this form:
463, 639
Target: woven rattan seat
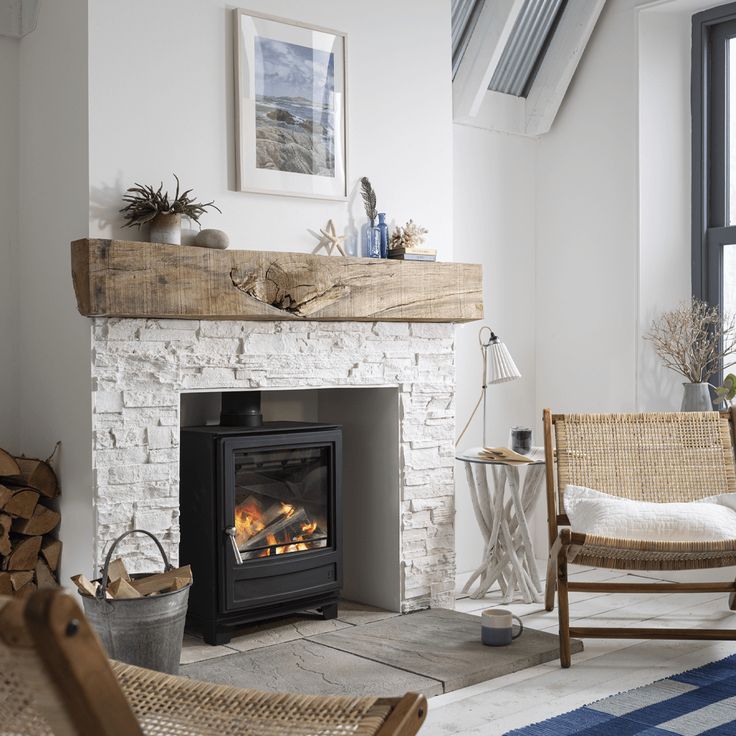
56, 681
661, 458
635, 554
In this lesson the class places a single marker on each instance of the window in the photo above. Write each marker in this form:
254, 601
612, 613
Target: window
714, 156
527, 44
464, 17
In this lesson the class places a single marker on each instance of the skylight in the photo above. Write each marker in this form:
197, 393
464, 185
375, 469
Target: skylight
513, 60
464, 17
525, 48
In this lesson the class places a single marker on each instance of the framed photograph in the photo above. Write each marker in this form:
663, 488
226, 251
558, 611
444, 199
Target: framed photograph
290, 108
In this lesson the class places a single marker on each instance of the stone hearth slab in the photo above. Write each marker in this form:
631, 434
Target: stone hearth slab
307, 667
443, 645
282, 631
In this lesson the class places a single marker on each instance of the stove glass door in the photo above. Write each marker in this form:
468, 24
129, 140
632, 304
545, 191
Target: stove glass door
281, 500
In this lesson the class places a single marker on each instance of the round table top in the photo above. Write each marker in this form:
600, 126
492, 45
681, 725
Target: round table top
472, 455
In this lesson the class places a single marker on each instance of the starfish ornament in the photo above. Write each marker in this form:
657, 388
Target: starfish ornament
329, 240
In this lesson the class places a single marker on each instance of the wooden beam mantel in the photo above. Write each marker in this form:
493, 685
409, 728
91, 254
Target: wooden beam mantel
118, 278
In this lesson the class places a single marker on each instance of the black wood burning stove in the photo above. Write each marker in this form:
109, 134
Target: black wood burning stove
260, 518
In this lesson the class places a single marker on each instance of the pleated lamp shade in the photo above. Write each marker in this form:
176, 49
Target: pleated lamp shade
501, 366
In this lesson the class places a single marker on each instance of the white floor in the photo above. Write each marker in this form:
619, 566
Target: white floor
604, 668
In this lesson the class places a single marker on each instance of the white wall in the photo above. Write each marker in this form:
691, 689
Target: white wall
613, 217
586, 256
9, 82
664, 187
494, 225
166, 105
54, 341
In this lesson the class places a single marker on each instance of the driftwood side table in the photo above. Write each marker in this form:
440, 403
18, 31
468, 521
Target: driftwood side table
501, 512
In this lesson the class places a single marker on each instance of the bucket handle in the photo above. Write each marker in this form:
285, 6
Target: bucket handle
102, 587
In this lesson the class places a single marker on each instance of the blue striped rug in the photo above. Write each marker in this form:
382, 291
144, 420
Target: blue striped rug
700, 702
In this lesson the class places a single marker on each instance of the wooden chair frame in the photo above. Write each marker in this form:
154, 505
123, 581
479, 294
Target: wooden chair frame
561, 540
52, 623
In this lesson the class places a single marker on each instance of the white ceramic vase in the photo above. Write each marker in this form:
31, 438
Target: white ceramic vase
696, 397
165, 228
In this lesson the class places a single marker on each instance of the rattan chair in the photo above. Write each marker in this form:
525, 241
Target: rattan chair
674, 457
55, 680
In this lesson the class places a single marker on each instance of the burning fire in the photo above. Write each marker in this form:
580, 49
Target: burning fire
250, 522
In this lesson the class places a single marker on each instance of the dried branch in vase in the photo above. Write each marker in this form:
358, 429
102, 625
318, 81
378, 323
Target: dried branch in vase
144, 203
408, 237
693, 340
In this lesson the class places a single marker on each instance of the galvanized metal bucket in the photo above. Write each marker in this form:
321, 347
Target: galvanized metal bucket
148, 631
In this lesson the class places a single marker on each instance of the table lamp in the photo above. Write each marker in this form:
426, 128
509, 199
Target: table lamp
498, 365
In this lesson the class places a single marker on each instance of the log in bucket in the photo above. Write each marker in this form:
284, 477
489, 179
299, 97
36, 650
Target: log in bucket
147, 631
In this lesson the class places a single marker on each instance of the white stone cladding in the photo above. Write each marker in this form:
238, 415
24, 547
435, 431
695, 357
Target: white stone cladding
140, 367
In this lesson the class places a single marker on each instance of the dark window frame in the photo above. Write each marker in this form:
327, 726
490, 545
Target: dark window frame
710, 145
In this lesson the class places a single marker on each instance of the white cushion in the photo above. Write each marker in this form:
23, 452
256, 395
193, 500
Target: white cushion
593, 512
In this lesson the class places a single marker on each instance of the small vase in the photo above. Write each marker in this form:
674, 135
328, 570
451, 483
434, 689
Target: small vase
383, 229
165, 228
696, 397
374, 242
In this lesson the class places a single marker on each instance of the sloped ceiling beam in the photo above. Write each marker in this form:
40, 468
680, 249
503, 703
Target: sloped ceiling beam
474, 104
559, 64
492, 31
18, 17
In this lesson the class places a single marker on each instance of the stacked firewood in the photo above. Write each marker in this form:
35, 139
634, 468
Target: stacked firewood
29, 548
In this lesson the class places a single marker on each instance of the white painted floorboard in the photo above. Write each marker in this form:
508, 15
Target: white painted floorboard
605, 667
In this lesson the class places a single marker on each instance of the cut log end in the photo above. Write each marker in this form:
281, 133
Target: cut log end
43, 521
39, 475
51, 551
44, 578
5, 525
21, 504
8, 465
24, 554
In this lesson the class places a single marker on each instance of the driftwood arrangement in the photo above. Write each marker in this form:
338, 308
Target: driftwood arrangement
122, 586
29, 548
117, 278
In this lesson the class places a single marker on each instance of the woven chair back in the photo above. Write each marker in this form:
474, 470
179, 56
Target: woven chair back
28, 700
665, 458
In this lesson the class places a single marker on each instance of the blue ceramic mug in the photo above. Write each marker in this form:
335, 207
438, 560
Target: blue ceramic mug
497, 627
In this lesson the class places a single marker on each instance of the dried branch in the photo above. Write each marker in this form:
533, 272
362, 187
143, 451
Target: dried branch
143, 203
693, 340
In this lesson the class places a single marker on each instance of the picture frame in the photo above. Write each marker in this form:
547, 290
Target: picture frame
290, 107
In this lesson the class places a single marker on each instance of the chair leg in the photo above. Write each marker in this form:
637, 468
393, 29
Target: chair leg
563, 607
551, 586
732, 600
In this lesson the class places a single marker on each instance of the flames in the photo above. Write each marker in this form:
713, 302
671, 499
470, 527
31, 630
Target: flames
251, 523
248, 521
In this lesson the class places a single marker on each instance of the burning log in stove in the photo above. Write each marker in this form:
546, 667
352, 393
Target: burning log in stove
280, 529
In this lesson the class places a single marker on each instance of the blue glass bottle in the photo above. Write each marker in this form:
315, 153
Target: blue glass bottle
383, 229
374, 242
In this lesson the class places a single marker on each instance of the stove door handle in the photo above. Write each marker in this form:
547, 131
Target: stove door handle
231, 531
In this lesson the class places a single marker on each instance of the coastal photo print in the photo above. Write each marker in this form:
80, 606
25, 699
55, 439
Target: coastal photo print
290, 128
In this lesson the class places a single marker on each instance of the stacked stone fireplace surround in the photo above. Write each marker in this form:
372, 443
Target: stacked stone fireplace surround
140, 367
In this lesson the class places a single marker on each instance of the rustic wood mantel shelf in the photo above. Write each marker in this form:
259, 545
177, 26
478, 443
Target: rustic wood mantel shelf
119, 278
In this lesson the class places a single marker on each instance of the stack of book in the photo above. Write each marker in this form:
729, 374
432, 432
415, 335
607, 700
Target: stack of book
413, 254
